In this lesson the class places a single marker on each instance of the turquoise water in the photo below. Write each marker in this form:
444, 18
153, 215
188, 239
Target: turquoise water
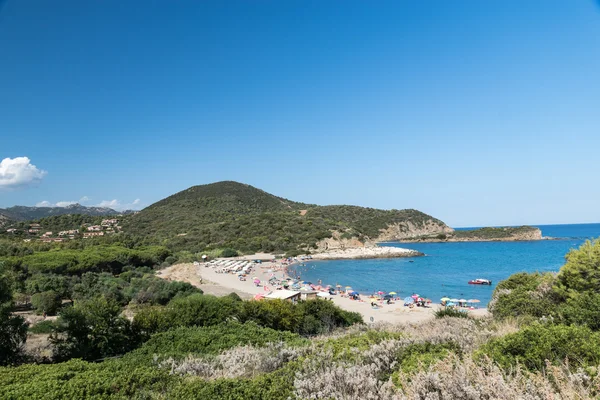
447, 267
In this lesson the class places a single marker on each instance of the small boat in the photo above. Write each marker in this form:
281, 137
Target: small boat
480, 282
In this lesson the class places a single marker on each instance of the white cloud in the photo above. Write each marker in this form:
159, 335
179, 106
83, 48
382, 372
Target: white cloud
46, 203
84, 199
65, 203
19, 172
117, 205
109, 203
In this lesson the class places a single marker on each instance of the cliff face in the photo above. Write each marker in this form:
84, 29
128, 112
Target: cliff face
397, 231
409, 230
336, 242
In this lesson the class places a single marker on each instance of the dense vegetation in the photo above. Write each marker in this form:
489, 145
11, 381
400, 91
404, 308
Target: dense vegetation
494, 233
542, 342
238, 216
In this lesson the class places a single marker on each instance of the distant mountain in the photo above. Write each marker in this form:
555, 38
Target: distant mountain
24, 213
242, 217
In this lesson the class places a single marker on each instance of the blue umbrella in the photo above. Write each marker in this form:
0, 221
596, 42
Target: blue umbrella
409, 300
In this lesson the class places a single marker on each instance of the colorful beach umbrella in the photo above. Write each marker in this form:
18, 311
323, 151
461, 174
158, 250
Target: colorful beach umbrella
348, 287
473, 301
409, 300
380, 292
414, 296
393, 293
445, 299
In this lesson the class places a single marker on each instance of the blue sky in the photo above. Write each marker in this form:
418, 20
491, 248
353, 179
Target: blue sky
479, 113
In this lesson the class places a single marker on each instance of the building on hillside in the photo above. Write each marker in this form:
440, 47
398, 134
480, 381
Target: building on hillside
33, 231
109, 222
94, 228
35, 226
50, 239
92, 234
11, 230
71, 232
289, 295
47, 234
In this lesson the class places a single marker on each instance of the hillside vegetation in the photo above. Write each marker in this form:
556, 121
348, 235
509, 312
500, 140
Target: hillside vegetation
239, 216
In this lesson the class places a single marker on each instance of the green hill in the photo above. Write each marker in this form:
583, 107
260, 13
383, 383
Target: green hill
234, 215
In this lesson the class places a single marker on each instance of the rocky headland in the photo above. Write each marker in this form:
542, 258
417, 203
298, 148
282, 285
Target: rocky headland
501, 234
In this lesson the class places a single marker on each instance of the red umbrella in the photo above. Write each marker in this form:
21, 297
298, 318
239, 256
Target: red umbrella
415, 296
380, 292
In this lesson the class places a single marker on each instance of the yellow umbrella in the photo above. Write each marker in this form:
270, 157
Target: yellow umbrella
392, 293
348, 287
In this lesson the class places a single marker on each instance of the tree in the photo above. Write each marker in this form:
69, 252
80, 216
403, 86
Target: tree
46, 302
581, 273
92, 329
13, 329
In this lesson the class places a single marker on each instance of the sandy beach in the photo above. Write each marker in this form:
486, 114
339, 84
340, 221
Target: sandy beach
367, 252
219, 284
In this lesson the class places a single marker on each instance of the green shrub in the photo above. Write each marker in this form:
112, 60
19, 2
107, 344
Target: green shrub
525, 294
534, 344
92, 330
46, 327
581, 273
46, 302
451, 312
229, 253
199, 341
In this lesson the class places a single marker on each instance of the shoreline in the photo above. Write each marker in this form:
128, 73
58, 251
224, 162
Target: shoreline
220, 284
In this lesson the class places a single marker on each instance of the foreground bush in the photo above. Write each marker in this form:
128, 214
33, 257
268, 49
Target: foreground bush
92, 330
533, 345
525, 294
202, 341
450, 312
310, 317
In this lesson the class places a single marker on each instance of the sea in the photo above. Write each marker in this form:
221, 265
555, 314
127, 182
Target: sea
447, 267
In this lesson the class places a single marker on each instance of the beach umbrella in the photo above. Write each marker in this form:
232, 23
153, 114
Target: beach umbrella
454, 300
445, 299
450, 304
408, 300
323, 294
257, 281
259, 296
338, 285
473, 301
462, 301
380, 292
414, 296
393, 293
204, 256
348, 287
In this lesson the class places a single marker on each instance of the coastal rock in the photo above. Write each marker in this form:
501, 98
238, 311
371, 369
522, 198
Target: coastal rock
409, 230
366, 252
